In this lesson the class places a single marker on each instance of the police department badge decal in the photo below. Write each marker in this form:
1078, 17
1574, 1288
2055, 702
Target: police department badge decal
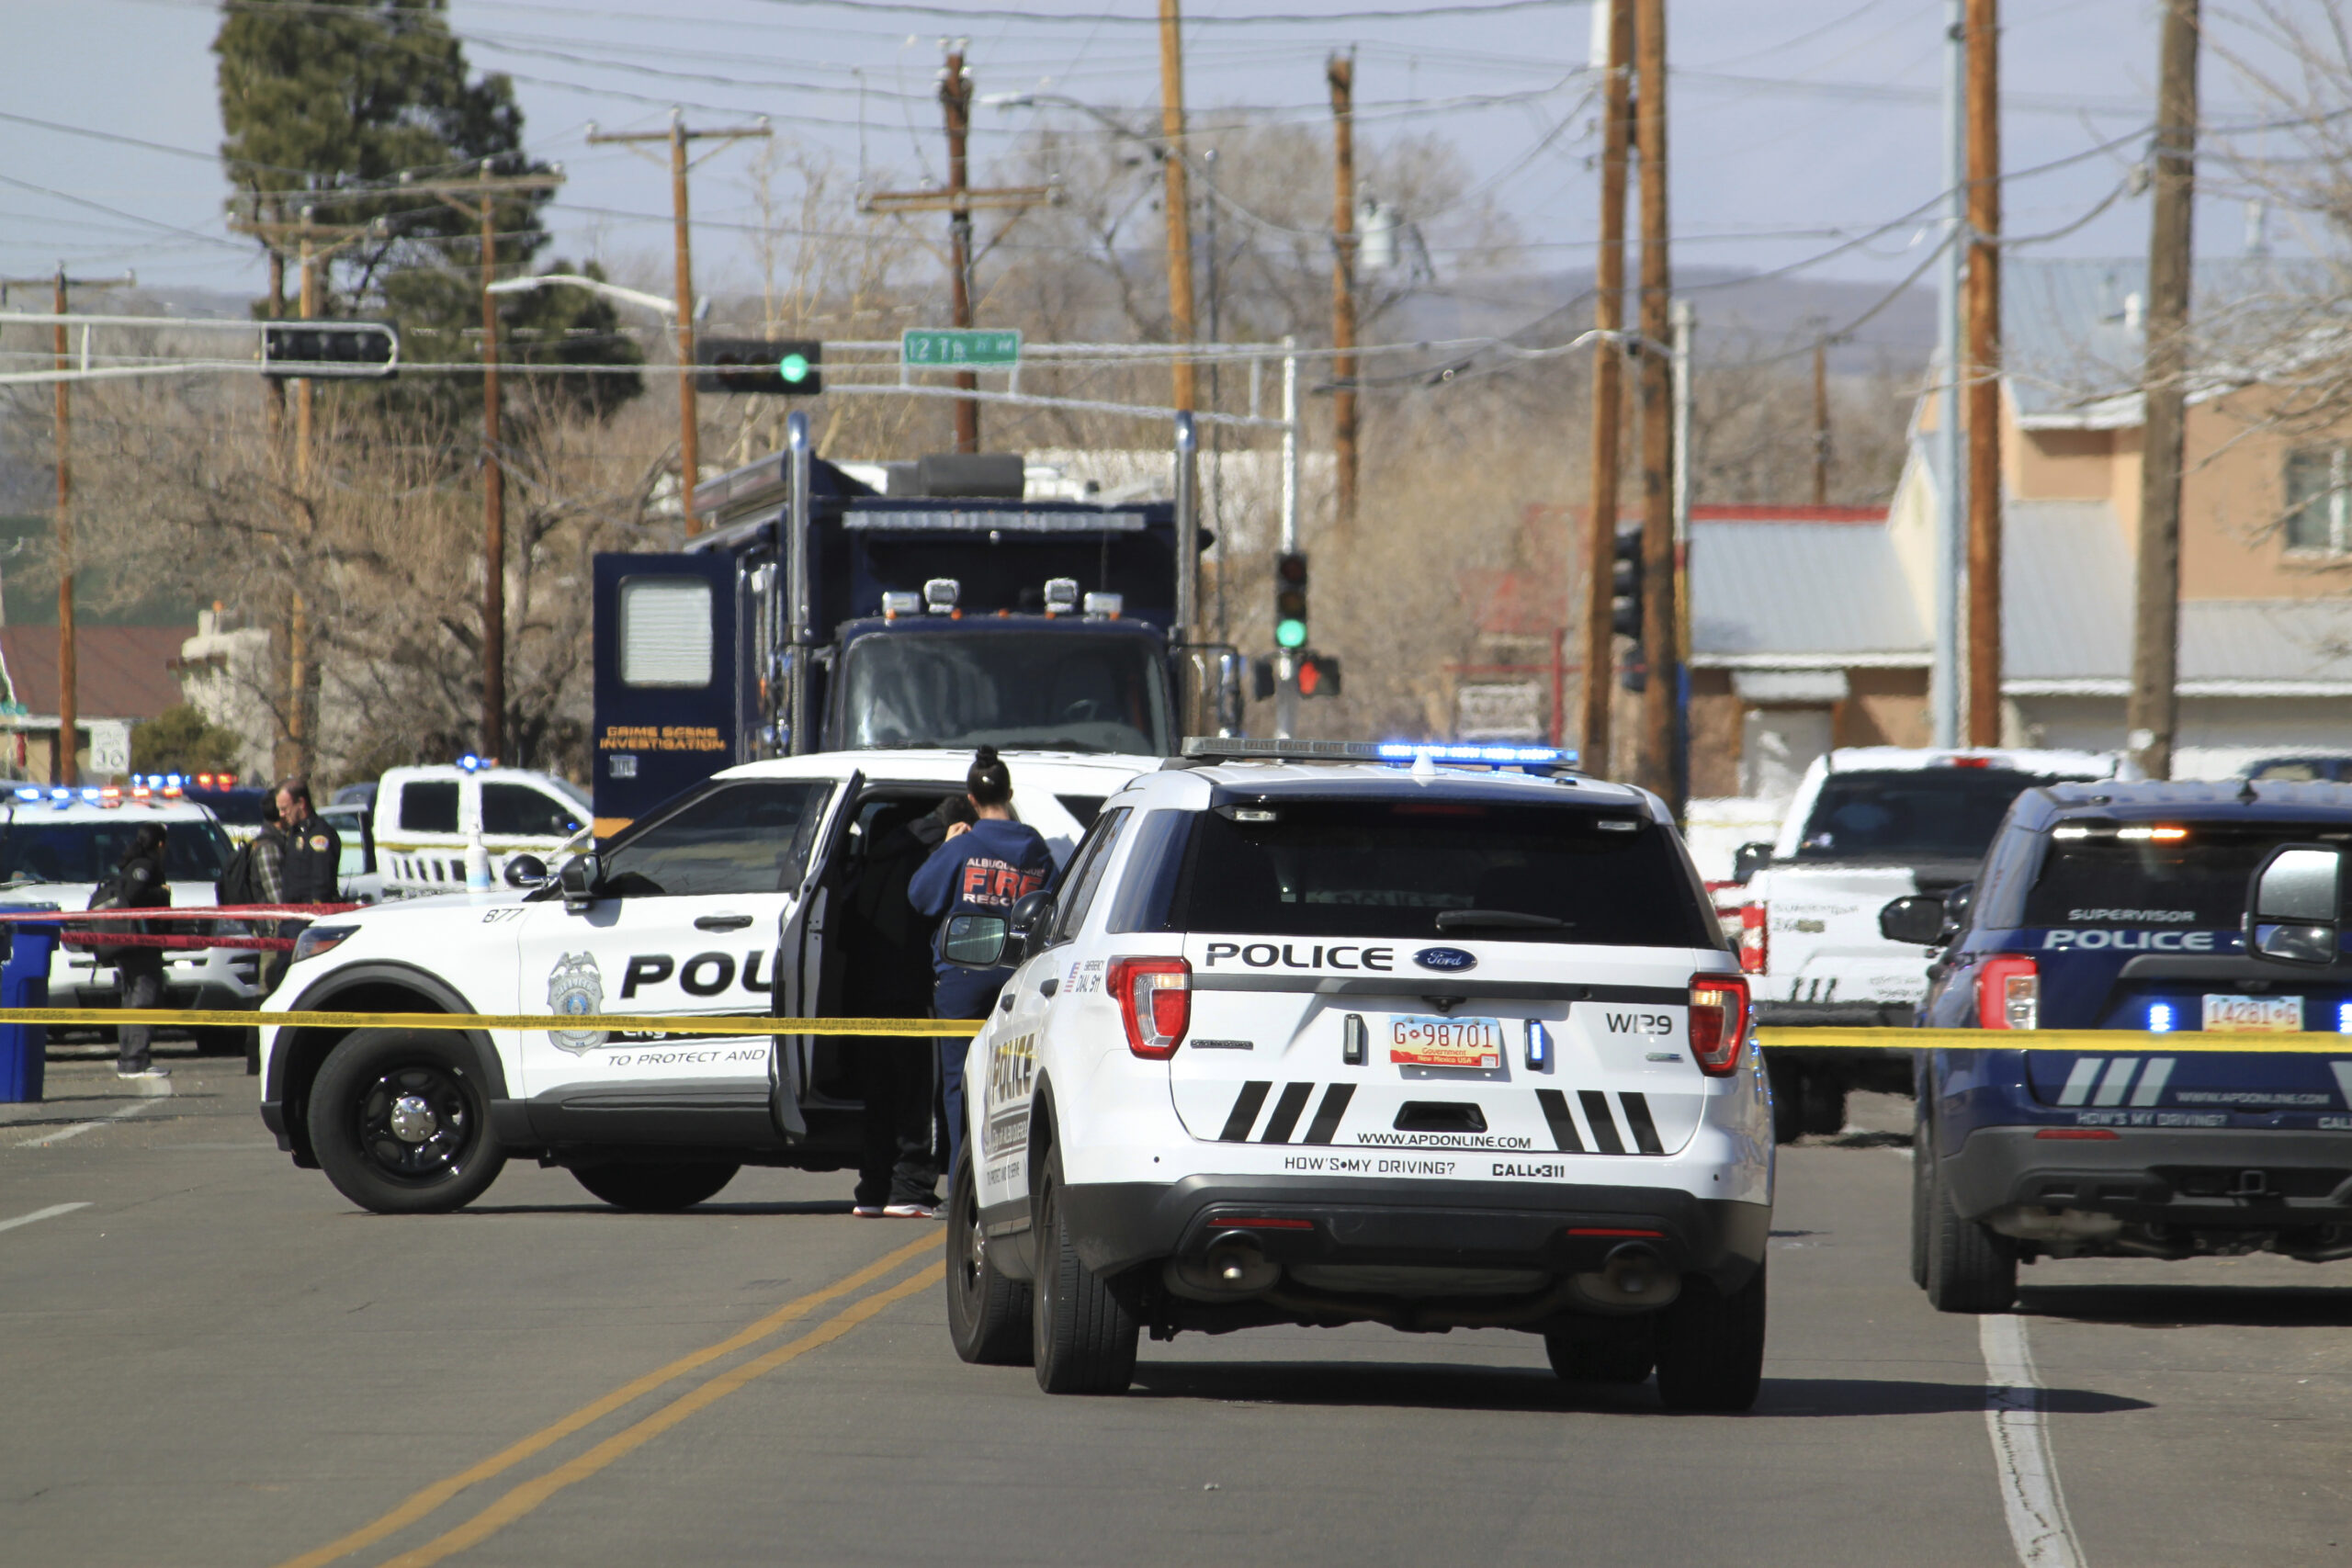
576, 989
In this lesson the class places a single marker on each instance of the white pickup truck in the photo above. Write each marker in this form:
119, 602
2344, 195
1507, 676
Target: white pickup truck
1869, 824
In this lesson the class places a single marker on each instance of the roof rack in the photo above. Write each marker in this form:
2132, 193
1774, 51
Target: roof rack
1202, 750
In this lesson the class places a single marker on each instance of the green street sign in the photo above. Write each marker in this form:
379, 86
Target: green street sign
957, 348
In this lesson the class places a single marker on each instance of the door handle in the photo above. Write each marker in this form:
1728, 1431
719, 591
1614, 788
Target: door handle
721, 922
1047, 987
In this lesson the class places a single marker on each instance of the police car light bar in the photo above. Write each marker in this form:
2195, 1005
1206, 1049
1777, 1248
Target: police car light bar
1238, 748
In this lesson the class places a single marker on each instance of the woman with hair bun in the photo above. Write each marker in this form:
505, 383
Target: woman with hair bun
980, 869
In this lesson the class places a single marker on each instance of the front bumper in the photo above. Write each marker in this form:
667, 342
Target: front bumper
1450, 1225
2194, 1177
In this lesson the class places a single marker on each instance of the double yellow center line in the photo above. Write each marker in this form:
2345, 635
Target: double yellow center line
520, 1499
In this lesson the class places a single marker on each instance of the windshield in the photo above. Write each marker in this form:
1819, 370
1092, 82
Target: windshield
1926, 814
2195, 875
35, 850
1043, 691
1424, 869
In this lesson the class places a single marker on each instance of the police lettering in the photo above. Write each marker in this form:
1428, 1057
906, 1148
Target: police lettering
645, 969
704, 974
2064, 939
1295, 955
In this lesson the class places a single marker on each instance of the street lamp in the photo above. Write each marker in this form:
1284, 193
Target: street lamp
654, 302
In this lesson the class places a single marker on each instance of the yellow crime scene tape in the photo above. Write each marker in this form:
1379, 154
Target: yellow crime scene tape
561, 1023
1787, 1037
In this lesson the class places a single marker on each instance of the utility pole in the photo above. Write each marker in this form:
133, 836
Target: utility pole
1821, 420
958, 201
1944, 668
1984, 360
1178, 205
1655, 768
2155, 709
689, 429
1608, 388
1341, 71
956, 98
478, 199
64, 764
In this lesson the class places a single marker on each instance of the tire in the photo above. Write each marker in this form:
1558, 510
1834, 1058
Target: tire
1622, 1361
441, 1154
1788, 1099
988, 1314
1823, 1105
1923, 1165
1082, 1340
1710, 1346
1970, 1269
656, 1184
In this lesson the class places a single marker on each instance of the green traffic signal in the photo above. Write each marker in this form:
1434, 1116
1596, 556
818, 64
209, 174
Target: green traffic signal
1291, 634
794, 369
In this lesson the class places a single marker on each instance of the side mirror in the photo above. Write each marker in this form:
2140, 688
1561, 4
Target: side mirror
1958, 902
976, 941
2294, 906
1031, 914
526, 871
1749, 859
579, 878
1916, 919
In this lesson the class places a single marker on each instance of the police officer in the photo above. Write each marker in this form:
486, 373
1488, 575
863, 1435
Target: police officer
312, 872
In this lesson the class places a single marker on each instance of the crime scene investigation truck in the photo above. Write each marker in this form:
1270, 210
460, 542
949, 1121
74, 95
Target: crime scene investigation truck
821, 614
726, 900
1302, 1035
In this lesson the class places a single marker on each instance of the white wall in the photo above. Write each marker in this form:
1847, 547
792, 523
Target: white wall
2218, 734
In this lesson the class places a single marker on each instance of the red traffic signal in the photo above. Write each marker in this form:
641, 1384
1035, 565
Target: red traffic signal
1319, 675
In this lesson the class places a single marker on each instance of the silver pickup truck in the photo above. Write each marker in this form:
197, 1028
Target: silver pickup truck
1869, 824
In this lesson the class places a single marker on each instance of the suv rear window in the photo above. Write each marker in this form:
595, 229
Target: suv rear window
1913, 814
1390, 869
2094, 875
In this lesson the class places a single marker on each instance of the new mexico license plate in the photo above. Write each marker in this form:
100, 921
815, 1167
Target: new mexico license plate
2254, 1015
1421, 1041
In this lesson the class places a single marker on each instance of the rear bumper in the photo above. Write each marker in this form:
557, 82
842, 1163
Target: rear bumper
2199, 1177
1453, 1224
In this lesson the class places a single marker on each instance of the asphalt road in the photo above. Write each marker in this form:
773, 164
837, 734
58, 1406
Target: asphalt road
207, 1357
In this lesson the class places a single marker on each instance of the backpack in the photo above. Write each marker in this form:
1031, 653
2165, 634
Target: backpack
235, 884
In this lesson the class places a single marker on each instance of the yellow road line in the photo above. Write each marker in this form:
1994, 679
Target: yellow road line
424, 1503
631, 1023
1784, 1036
529, 1495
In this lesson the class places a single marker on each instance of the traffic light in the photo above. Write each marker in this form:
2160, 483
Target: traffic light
1625, 606
1319, 675
792, 366
1290, 601
326, 349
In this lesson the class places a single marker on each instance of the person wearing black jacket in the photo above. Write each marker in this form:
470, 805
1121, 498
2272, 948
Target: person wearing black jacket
140, 884
312, 868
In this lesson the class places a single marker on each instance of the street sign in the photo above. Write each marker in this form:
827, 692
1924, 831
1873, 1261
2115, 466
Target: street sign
958, 348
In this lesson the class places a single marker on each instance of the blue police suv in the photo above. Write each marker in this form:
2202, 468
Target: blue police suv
2178, 908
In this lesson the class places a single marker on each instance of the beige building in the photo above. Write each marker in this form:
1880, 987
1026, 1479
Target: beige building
1811, 632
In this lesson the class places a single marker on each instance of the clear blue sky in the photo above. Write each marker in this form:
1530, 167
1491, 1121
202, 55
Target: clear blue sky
1796, 124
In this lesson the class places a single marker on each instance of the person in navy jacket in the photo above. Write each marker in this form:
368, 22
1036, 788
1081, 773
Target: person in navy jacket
980, 869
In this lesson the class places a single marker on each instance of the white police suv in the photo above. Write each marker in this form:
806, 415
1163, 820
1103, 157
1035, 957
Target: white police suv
1304, 1035
767, 889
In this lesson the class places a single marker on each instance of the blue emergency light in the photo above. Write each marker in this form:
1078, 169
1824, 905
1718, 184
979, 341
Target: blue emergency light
2160, 1018
2344, 1017
1508, 756
470, 762
29, 795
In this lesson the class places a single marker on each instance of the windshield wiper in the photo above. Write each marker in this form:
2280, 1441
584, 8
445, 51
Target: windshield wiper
1495, 920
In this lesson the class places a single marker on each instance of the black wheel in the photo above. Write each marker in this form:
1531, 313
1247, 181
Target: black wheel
1082, 1339
1711, 1346
988, 1314
655, 1184
1970, 1269
400, 1125
1823, 1105
1923, 1164
1621, 1360
225, 1040
1788, 1099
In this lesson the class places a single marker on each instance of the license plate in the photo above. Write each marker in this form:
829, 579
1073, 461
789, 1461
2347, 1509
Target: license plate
1421, 1041
2254, 1015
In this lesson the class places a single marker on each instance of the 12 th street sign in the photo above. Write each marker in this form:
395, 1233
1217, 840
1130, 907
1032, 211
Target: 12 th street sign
958, 348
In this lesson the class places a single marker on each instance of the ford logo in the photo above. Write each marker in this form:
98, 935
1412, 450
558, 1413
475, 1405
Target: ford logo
1452, 959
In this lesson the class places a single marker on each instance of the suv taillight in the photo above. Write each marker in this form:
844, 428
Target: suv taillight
1753, 939
1718, 1022
1155, 1002
2009, 994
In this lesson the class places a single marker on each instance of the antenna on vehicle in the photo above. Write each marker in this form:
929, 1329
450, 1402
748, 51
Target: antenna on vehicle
2246, 796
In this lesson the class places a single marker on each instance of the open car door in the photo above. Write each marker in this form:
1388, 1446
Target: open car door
800, 962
